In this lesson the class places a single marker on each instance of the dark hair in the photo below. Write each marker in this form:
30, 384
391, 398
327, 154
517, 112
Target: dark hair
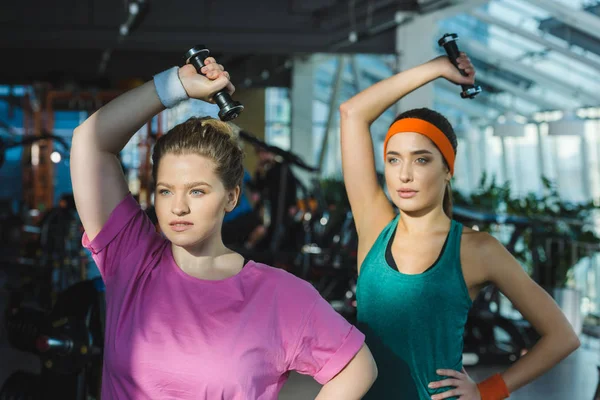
207, 137
437, 119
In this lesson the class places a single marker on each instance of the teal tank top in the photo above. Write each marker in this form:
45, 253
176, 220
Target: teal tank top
414, 324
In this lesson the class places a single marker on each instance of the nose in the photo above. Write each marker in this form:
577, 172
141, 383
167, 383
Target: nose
179, 206
405, 172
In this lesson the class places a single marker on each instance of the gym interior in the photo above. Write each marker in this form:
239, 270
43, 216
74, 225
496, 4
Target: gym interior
527, 168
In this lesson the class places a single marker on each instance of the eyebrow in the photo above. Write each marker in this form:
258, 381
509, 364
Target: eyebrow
187, 185
414, 153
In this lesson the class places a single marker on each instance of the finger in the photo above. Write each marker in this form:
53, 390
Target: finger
446, 395
464, 64
465, 61
219, 83
230, 88
449, 372
213, 67
221, 67
210, 60
217, 72
227, 75
445, 383
211, 74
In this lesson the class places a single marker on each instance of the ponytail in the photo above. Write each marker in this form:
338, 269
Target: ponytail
447, 203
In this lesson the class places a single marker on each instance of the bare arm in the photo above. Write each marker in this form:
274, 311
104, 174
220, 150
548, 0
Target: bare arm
353, 382
496, 265
370, 207
98, 181
558, 339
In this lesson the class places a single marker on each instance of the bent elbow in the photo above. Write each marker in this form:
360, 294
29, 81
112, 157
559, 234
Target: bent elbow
568, 343
346, 109
575, 343
75, 139
374, 372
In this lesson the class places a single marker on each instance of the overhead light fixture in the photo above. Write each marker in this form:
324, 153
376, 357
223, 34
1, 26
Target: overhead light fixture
509, 125
569, 125
55, 157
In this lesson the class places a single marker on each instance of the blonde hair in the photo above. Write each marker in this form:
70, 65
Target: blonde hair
207, 137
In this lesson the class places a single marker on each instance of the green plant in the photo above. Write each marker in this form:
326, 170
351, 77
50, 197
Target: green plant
552, 218
334, 192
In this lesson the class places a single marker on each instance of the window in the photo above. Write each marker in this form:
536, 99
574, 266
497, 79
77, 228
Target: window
278, 117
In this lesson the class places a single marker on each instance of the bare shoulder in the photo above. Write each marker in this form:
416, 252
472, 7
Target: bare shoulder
479, 243
478, 251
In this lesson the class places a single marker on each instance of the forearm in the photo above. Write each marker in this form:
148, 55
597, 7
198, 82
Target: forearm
548, 352
369, 104
354, 381
111, 127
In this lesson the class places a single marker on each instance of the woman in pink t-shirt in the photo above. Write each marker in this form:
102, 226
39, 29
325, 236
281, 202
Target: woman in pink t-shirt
188, 318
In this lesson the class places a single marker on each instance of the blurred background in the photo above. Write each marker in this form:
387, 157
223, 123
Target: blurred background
528, 164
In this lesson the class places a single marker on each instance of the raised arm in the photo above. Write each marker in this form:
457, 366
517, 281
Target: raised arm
370, 207
98, 181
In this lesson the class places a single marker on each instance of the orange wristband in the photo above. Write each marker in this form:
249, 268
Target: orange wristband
493, 388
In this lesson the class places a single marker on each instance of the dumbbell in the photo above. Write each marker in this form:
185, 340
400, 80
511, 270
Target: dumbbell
448, 41
228, 108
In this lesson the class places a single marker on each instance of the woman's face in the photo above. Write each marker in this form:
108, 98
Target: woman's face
190, 199
415, 173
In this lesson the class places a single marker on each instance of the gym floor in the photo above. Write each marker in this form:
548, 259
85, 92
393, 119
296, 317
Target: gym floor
575, 378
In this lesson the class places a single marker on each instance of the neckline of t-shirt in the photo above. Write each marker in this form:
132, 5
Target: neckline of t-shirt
247, 267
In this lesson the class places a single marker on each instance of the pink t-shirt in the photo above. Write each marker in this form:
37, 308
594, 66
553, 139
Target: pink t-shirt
172, 336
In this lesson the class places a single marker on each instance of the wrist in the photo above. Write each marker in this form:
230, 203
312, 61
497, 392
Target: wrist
493, 388
439, 67
169, 88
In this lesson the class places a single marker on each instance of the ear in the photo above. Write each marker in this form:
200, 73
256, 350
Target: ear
232, 199
448, 177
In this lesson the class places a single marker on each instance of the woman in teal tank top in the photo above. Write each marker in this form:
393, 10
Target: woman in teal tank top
419, 270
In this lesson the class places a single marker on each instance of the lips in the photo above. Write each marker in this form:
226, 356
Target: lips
407, 193
180, 226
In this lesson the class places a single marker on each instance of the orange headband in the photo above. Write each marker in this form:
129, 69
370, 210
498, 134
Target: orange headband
424, 128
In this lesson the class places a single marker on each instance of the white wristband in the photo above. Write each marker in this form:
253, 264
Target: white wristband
169, 87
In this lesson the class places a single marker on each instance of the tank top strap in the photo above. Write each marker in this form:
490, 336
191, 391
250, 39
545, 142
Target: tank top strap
376, 254
389, 230
453, 245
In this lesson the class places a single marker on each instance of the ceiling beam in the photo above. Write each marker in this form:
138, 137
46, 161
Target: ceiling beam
230, 42
457, 7
481, 100
522, 93
577, 18
467, 109
481, 51
511, 28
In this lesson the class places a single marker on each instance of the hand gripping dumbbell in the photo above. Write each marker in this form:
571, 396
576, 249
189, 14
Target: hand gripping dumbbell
448, 41
229, 108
